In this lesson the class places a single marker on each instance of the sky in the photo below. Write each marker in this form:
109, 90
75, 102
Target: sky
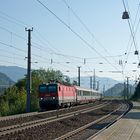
71, 33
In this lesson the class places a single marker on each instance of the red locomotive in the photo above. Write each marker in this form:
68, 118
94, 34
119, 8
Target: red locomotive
59, 95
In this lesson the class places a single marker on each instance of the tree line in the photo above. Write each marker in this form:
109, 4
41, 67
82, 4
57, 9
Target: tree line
13, 101
136, 95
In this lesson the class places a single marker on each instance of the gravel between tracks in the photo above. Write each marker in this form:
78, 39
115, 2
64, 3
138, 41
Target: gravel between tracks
90, 131
56, 129
42, 115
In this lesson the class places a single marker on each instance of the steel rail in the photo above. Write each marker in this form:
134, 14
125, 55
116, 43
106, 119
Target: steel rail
72, 133
117, 119
7, 118
20, 127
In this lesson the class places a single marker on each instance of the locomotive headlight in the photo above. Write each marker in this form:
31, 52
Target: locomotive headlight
41, 98
53, 98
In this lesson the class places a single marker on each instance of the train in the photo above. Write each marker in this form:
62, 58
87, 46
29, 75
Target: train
56, 95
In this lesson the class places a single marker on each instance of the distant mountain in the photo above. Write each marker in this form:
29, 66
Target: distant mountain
5, 82
118, 90
15, 73
100, 82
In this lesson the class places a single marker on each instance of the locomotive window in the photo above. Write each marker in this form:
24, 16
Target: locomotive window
52, 88
42, 89
59, 88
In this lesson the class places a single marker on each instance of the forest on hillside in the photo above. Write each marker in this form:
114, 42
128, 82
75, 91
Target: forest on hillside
13, 101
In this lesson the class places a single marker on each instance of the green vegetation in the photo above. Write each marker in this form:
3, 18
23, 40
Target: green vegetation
136, 95
5, 82
13, 101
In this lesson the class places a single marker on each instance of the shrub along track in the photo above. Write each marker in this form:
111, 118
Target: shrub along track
54, 129
24, 118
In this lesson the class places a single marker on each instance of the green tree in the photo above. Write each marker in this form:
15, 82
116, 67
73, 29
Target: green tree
75, 83
14, 99
4, 108
66, 80
137, 92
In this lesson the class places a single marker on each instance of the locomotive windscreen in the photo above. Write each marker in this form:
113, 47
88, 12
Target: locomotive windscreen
52, 88
43, 89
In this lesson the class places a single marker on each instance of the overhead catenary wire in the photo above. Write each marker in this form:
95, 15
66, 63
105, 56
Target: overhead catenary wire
41, 52
135, 31
17, 64
34, 44
131, 31
21, 50
78, 35
11, 46
133, 35
15, 21
39, 48
87, 29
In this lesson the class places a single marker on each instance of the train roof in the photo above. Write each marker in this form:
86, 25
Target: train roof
86, 89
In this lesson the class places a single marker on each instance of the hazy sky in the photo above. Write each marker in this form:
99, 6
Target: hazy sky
97, 37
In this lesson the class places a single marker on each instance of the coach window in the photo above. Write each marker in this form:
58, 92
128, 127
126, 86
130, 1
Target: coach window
79, 93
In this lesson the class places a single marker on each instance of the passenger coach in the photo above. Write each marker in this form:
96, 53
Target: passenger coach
85, 95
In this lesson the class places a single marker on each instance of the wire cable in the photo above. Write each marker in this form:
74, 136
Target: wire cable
83, 40
84, 25
131, 31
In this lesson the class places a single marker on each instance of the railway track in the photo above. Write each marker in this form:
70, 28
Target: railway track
78, 124
37, 119
24, 118
90, 130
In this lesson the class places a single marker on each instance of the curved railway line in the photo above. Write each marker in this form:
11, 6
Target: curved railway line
54, 124
17, 121
24, 118
90, 130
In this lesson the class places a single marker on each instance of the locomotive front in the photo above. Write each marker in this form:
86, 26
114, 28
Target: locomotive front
48, 95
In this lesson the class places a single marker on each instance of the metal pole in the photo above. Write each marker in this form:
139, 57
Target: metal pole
104, 90
79, 76
94, 81
90, 82
97, 85
124, 90
127, 87
28, 102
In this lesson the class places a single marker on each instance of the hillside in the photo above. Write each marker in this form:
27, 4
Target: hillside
5, 82
108, 82
13, 72
118, 90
